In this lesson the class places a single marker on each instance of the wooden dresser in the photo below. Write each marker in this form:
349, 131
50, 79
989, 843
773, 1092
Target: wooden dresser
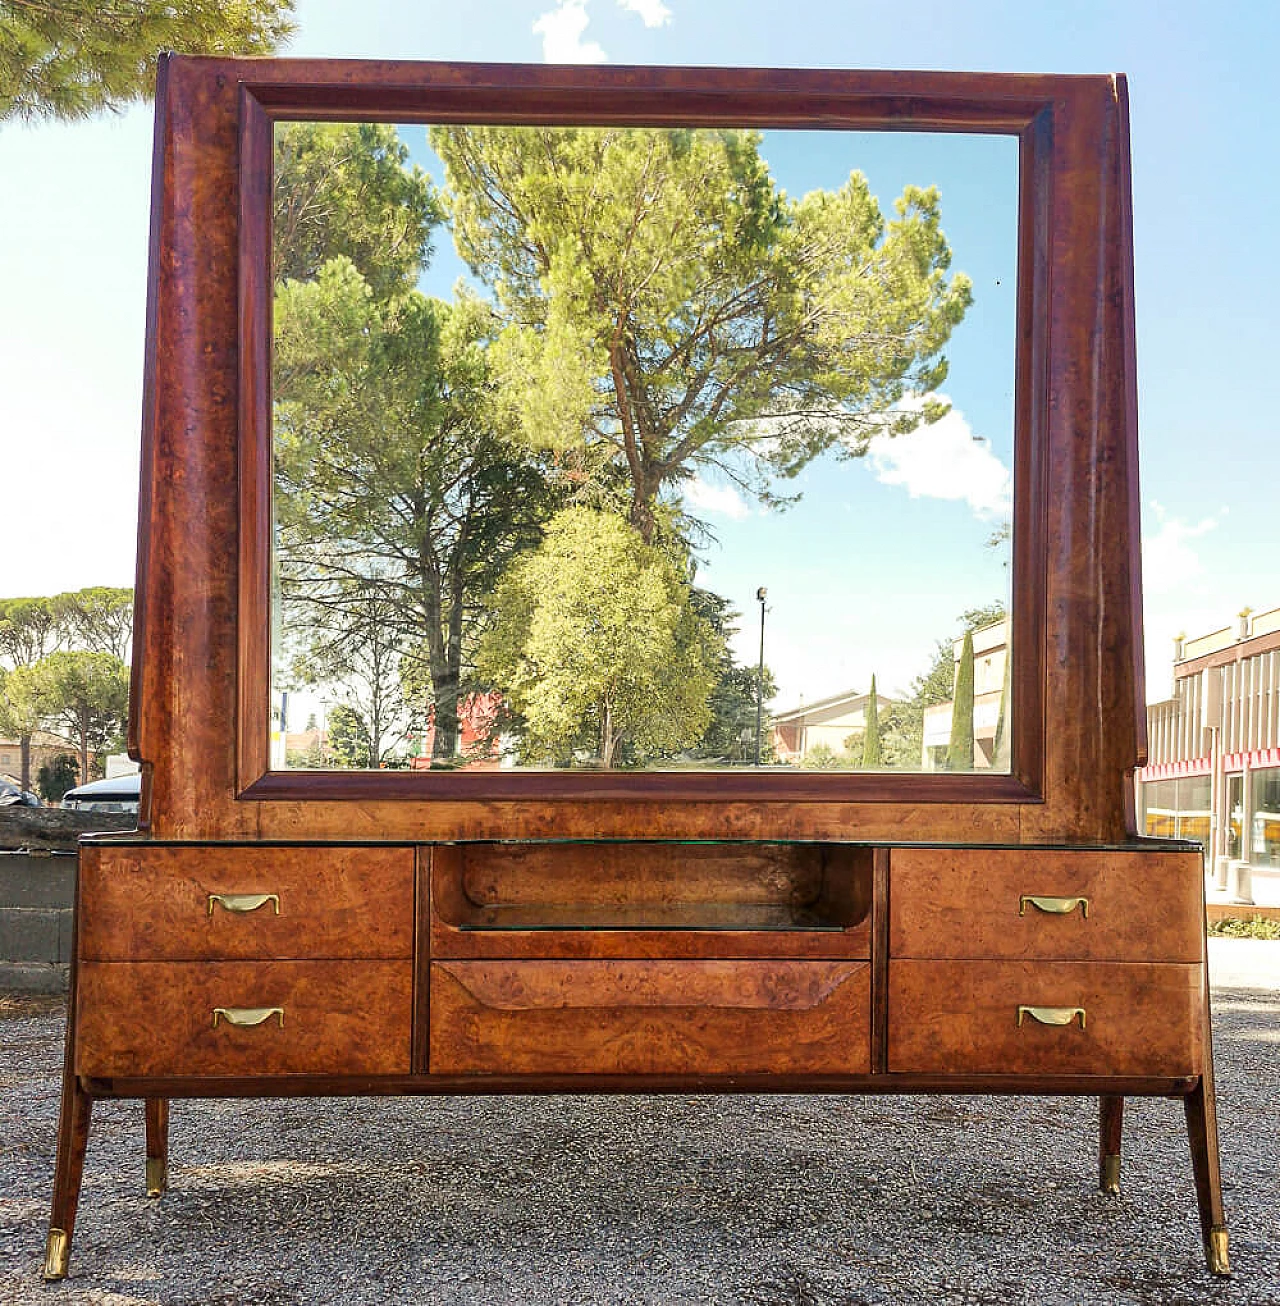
270, 932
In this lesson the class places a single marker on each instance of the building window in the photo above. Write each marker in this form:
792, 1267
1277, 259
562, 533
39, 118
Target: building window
1264, 844
1178, 809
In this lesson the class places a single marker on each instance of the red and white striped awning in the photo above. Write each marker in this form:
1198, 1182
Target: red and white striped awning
1254, 760
1174, 770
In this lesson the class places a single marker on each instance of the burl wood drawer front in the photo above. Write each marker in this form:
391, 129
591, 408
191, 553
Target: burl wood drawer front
177, 904
1045, 1018
244, 1018
649, 1018
1046, 903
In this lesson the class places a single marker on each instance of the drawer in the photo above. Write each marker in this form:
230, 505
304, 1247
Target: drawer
212, 902
147, 1019
963, 1017
1092, 906
649, 1018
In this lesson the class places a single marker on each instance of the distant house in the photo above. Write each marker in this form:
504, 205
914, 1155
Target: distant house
797, 731
990, 653
477, 742
45, 747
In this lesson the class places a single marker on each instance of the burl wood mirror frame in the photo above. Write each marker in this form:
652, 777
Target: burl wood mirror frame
201, 660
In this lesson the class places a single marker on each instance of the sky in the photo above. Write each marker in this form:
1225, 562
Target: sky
73, 237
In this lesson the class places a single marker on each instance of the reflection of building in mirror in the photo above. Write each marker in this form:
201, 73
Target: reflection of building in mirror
828, 732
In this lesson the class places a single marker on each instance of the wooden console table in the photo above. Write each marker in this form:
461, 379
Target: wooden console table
276, 932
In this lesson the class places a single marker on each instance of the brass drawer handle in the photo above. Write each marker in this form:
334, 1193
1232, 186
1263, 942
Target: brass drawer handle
243, 902
247, 1017
1054, 906
1051, 1015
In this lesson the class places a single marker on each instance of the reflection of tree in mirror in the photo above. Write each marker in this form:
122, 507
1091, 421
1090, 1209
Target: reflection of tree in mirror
665, 300
960, 750
597, 646
351, 639
347, 190
391, 468
348, 738
658, 307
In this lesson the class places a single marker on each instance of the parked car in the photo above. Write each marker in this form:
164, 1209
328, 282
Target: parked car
11, 795
119, 794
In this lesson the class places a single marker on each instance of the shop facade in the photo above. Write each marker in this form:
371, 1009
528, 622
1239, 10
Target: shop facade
1213, 765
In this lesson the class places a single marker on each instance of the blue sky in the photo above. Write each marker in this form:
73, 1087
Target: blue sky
73, 228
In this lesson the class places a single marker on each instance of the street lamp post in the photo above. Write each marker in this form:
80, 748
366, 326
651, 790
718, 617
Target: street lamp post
760, 595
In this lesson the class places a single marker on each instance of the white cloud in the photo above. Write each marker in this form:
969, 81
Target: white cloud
721, 499
945, 461
1169, 558
561, 30
653, 12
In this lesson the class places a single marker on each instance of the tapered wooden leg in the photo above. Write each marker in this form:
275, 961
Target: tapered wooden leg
157, 1146
1110, 1132
1202, 1132
73, 1135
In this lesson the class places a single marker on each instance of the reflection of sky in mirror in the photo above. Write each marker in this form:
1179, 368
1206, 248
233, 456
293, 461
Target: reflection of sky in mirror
880, 557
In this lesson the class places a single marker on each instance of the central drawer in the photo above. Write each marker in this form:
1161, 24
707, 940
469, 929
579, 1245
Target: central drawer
649, 1018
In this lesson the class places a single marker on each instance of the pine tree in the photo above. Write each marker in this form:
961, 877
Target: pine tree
72, 58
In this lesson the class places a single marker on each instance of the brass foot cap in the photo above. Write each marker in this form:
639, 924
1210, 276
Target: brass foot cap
57, 1252
157, 1176
1216, 1251
1109, 1178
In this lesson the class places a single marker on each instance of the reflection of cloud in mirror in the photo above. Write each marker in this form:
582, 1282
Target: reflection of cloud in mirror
561, 30
945, 460
1168, 558
723, 500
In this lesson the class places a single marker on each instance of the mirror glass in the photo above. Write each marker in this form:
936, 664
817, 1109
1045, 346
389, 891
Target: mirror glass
641, 448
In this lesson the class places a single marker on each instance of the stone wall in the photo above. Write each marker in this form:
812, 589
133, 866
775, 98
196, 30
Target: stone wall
37, 889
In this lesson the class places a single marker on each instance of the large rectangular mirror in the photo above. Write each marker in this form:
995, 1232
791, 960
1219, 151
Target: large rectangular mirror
641, 448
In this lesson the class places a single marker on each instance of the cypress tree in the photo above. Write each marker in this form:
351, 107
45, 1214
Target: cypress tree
960, 750
871, 735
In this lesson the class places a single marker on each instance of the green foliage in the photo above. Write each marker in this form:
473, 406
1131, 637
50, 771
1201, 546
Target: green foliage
99, 619
56, 777
666, 303
28, 630
598, 647
393, 472
87, 693
871, 755
22, 711
73, 58
1255, 927
822, 757
348, 738
960, 749
348, 190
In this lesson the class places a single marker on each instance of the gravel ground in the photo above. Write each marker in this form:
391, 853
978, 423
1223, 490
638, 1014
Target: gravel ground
763, 1201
